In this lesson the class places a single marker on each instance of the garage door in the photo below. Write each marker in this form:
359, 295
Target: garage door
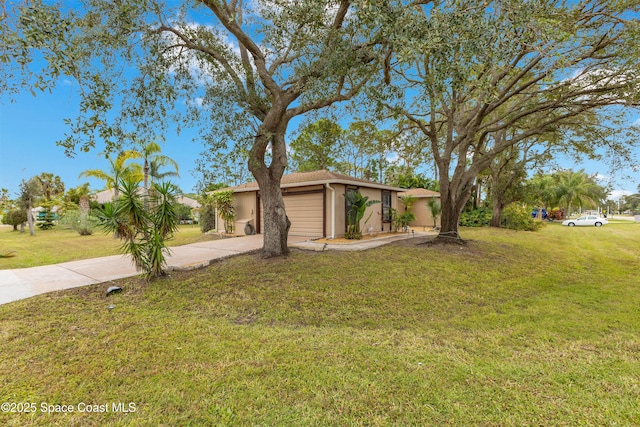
304, 212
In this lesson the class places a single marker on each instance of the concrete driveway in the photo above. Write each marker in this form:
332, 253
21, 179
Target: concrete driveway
27, 282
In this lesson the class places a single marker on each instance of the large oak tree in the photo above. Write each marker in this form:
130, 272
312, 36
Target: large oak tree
240, 70
480, 78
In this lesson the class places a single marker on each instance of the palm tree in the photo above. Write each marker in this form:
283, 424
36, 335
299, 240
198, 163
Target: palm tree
543, 192
435, 207
118, 171
578, 187
153, 160
156, 175
51, 185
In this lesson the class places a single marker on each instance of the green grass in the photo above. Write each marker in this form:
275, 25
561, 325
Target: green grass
514, 329
61, 245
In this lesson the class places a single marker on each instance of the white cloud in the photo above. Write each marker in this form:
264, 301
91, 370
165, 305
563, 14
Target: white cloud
618, 194
637, 122
196, 102
601, 78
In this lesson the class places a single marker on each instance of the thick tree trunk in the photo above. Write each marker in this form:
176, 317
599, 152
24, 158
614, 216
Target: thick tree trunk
496, 215
449, 221
454, 195
276, 223
452, 205
85, 207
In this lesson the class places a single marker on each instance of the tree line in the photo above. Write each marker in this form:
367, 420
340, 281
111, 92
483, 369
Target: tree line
477, 84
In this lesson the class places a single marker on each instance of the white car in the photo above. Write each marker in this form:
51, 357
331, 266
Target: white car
589, 220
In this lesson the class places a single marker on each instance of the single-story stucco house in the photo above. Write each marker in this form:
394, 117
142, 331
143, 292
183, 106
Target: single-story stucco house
420, 209
316, 205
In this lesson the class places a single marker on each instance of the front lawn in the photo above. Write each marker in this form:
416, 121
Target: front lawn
514, 329
61, 245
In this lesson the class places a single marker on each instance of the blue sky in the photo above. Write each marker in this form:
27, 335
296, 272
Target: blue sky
30, 127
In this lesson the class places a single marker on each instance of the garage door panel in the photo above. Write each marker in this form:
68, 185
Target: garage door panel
305, 212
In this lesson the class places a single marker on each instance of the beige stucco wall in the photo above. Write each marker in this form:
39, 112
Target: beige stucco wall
375, 221
245, 204
424, 219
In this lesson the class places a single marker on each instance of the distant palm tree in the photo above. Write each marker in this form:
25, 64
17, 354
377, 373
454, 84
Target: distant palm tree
543, 192
153, 161
578, 187
119, 170
51, 185
156, 175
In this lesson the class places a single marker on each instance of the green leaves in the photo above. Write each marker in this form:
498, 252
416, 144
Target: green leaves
357, 205
224, 203
143, 221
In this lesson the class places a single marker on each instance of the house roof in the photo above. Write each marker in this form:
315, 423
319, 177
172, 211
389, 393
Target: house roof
300, 179
106, 196
419, 193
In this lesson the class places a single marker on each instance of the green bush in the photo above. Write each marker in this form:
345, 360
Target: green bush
46, 219
207, 218
480, 217
143, 223
15, 217
518, 217
401, 222
183, 211
73, 220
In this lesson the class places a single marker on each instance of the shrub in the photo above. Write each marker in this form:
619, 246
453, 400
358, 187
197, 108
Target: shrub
359, 205
83, 224
518, 217
15, 217
401, 222
144, 223
183, 211
45, 219
435, 207
207, 218
224, 202
480, 217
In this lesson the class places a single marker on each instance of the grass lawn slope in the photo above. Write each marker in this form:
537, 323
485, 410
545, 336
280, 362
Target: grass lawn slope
515, 329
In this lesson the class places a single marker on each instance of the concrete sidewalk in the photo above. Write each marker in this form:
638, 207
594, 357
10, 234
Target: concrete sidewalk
27, 282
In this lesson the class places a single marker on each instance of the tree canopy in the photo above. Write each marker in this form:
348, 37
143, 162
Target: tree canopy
478, 78
469, 81
239, 71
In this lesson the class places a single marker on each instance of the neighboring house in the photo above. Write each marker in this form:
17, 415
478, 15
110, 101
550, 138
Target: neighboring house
315, 204
37, 213
106, 196
420, 208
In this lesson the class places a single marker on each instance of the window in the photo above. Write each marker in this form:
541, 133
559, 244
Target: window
386, 206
